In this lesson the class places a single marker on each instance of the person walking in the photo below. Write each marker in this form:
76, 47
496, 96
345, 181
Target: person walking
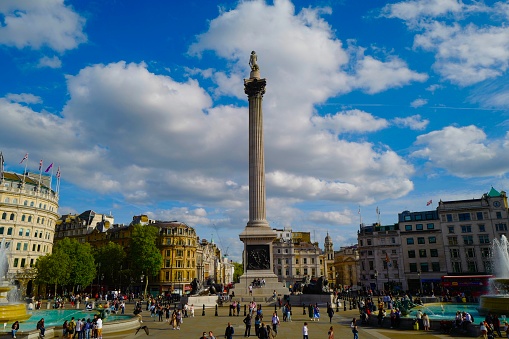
330, 334
310, 311
229, 331
275, 322
425, 322
305, 331
316, 314
211, 335
247, 321
99, 323
354, 328
258, 322
330, 313
14, 328
264, 332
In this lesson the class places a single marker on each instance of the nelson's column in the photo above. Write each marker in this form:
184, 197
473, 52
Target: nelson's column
258, 235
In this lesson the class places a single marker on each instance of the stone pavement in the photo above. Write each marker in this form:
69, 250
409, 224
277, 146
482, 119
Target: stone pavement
194, 327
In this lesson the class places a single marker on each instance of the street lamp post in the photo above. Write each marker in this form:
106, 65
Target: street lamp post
376, 281
420, 282
99, 276
120, 287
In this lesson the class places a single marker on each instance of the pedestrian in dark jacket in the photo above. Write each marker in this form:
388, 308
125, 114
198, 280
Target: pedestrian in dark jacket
247, 321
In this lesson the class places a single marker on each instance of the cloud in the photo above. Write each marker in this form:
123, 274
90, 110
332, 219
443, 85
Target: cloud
331, 218
414, 122
24, 98
418, 103
36, 24
350, 121
53, 62
464, 151
375, 76
465, 53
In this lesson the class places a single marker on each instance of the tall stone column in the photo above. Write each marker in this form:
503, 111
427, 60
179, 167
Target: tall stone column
257, 235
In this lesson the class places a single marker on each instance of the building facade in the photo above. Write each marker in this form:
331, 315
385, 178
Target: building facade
295, 257
468, 230
422, 245
28, 214
329, 268
380, 256
346, 267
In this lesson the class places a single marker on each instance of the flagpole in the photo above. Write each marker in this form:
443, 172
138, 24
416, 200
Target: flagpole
58, 179
360, 216
25, 171
40, 174
51, 178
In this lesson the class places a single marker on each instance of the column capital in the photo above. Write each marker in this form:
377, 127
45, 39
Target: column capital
254, 87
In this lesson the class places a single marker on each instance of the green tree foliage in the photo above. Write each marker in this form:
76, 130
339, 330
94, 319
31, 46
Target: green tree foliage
111, 260
81, 262
238, 270
53, 269
144, 256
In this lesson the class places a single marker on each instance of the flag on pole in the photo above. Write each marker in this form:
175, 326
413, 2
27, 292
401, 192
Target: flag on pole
24, 158
58, 172
377, 210
40, 164
49, 167
387, 257
429, 202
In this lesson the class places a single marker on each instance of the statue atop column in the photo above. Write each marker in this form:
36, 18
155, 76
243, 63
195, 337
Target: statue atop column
255, 69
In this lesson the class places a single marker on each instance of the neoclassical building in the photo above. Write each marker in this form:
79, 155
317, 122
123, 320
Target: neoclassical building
28, 214
346, 266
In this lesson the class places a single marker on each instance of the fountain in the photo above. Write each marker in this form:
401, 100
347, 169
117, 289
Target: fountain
498, 300
9, 312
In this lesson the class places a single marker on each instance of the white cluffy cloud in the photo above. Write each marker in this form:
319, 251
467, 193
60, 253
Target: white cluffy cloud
418, 103
464, 151
36, 24
465, 53
53, 62
414, 122
24, 98
350, 121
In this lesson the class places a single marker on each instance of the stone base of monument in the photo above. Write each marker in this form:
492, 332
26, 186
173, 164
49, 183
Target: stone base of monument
306, 299
263, 293
199, 300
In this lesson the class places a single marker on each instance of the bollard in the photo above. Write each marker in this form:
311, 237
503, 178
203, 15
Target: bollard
230, 314
216, 312
337, 307
203, 311
245, 310
350, 305
303, 309
344, 305
275, 307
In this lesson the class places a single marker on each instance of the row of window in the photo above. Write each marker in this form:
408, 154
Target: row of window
467, 216
470, 252
298, 272
369, 242
472, 266
468, 240
25, 203
25, 232
420, 227
421, 240
179, 264
22, 262
179, 276
24, 217
424, 253
180, 253
425, 267
35, 247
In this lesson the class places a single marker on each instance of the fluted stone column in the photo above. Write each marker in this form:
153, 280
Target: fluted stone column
257, 235
255, 89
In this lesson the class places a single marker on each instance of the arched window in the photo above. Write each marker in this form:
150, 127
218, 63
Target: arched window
31, 204
4, 216
23, 217
38, 219
12, 216
29, 218
6, 200
14, 201
25, 203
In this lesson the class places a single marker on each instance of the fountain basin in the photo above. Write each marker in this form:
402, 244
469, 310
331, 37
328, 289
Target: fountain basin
12, 312
498, 304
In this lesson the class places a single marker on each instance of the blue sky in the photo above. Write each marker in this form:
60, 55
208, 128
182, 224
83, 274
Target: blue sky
368, 103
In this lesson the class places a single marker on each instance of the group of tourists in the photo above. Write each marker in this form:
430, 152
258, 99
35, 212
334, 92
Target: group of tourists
83, 329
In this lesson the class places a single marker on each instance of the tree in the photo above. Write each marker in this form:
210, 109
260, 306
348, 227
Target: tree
53, 269
238, 270
81, 263
144, 256
111, 259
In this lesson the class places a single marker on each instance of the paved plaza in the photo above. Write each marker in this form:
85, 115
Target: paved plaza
194, 327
